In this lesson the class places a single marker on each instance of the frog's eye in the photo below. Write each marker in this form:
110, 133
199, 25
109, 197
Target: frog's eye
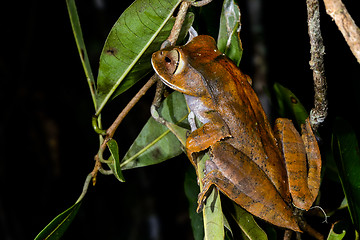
173, 62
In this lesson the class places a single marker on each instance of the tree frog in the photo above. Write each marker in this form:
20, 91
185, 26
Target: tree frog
266, 171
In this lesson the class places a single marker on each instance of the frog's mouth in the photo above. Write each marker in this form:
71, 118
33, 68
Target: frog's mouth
167, 83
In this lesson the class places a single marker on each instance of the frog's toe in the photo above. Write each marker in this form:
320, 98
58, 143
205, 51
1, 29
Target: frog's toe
200, 207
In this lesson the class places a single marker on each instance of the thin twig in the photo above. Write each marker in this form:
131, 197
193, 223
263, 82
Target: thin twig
346, 25
160, 87
85, 187
111, 130
298, 213
97, 165
175, 31
319, 112
308, 229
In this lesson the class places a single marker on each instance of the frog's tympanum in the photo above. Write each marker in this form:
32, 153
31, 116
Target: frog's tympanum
265, 171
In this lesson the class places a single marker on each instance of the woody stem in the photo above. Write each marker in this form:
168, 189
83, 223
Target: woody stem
337, 10
317, 50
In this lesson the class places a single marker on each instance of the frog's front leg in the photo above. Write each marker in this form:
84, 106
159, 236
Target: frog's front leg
302, 160
202, 138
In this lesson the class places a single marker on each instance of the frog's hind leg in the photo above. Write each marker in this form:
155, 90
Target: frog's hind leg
302, 160
245, 183
314, 158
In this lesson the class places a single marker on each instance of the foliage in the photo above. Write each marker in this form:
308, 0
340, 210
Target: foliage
125, 60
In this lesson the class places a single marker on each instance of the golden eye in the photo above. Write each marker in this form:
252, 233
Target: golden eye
172, 61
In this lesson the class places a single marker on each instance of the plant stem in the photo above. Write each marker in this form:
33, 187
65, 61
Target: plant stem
111, 130
85, 187
319, 112
346, 25
175, 31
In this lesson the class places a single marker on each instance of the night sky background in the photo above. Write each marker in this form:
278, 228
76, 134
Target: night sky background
46, 138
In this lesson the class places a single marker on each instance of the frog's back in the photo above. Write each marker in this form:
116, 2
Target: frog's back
250, 127
240, 108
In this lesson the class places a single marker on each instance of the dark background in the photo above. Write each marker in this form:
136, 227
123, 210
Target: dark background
47, 142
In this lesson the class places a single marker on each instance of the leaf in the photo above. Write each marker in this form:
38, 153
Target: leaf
228, 230
139, 32
335, 236
247, 224
156, 143
75, 24
229, 41
347, 158
289, 104
57, 227
191, 192
115, 166
212, 211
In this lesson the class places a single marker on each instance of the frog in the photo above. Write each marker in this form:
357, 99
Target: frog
268, 171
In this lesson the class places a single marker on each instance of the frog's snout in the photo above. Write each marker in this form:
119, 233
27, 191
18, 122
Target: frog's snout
157, 55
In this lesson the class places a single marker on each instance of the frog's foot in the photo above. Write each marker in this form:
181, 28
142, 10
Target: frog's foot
314, 158
208, 185
303, 161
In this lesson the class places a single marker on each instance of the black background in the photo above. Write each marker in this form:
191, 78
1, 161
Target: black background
47, 142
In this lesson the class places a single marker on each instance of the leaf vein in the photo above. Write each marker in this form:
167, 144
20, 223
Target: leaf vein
143, 22
124, 46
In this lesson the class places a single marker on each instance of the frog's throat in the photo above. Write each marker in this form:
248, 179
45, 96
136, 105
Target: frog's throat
171, 85
165, 81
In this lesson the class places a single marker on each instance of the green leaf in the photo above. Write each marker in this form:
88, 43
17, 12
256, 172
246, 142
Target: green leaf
210, 224
212, 211
115, 166
289, 105
156, 143
344, 204
139, 32
335, 236
75, 24
347, 158
57, 227
247, 224
229, 41
228, 230
191, 192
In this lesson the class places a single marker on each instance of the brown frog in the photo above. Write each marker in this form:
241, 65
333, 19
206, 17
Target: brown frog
265, 171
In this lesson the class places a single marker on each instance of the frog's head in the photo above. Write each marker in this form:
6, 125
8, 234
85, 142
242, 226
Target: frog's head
170, 64
180, 67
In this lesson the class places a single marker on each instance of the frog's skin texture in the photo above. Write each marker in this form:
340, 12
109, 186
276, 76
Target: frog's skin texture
265, 171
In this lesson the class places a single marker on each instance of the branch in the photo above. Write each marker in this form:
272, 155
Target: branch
317, 50
346, 25
175, 31
111, 130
